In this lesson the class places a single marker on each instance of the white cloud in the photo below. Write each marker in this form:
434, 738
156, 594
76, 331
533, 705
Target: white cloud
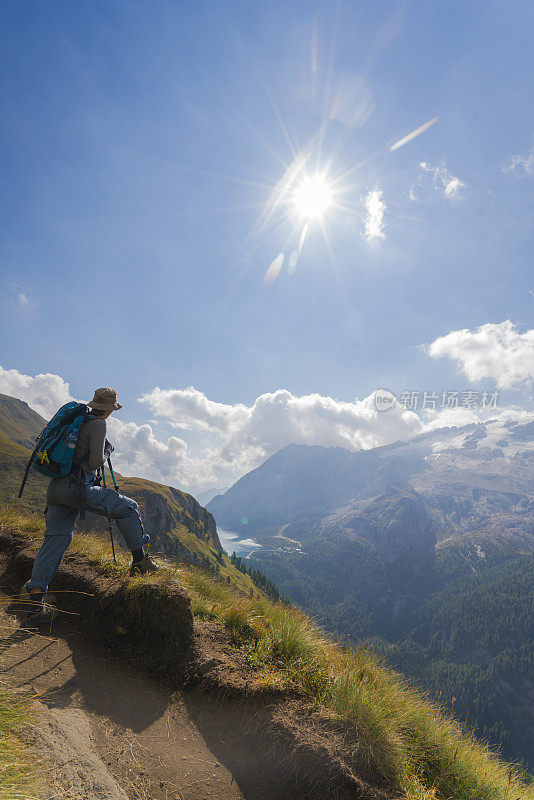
521, 164
452, 186
44, 393
444, 180
191, 409
460, 416
138, 452
247, 435
236, 438
496, 351
279, 417
23, 299
374, 221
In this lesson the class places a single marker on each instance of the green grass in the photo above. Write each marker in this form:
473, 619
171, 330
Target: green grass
18, 779
393, 732
13, 460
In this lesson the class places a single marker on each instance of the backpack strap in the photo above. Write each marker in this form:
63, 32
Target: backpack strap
27, 470
79, 477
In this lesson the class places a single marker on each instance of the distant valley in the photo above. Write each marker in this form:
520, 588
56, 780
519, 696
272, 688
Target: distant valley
374, 542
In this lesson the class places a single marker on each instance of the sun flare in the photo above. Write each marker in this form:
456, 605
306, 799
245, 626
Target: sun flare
312, 197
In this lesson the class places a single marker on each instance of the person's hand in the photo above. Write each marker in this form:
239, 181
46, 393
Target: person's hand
108, 449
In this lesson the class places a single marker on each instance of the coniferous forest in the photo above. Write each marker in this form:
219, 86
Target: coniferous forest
467, 637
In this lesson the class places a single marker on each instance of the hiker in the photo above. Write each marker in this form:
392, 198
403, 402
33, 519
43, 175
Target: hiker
79, 490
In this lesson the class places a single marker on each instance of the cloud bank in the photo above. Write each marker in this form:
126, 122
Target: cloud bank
244, 436
497, 351
236, 437
279, 417
231, 439
45, 393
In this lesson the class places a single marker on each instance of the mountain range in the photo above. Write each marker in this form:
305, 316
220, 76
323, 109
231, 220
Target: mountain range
471, 480
377, 543
451, 500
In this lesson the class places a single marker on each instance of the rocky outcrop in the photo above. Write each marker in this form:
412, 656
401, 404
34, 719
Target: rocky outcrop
396, 523
166, 507
169, 516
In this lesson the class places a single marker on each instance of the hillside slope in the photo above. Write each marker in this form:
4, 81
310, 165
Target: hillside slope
19, 422
474, 643
286, 713
19, 427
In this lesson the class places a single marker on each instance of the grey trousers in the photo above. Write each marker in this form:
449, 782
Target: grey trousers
64, 501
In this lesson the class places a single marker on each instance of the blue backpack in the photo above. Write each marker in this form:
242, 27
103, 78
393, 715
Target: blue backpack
55, 444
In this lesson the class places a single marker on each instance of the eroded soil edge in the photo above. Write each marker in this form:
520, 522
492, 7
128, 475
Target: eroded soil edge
126, 687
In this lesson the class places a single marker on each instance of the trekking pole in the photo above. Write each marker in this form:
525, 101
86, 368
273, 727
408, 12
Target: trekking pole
109, 520
113, 476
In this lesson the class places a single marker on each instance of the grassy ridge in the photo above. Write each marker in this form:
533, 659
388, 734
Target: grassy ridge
20, 423
19, 427
13, 460
393, 733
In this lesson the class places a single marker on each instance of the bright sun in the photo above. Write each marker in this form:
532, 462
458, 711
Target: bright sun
312, 198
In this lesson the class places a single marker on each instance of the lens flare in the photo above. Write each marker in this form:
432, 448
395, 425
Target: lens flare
274, 269
413, 134
312, 197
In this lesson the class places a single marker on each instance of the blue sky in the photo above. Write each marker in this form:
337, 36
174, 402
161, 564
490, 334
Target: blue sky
141, 141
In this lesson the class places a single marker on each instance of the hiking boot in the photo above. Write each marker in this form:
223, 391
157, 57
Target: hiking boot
32, 608
142, 567
41, 614
26, 601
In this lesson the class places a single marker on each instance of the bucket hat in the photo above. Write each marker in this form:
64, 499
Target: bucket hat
105, 399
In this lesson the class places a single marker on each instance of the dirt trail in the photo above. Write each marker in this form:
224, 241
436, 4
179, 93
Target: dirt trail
107, 731
164, 729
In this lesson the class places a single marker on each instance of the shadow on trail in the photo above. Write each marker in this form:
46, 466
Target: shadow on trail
68, 668
106, 686
252, 760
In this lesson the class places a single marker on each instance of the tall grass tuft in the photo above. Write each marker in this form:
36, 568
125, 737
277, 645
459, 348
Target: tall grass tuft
16, 777
240, 621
